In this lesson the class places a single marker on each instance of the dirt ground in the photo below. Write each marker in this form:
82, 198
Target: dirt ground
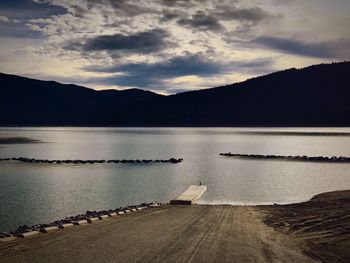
198, 233
323, 223
201, 233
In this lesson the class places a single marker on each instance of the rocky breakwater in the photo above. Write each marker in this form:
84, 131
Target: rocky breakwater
123, 161
337, 159
88, 217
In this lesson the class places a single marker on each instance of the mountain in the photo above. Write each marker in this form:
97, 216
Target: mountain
314, 96
26, 101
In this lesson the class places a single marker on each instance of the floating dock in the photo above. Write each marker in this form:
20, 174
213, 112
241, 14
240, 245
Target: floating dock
191, 196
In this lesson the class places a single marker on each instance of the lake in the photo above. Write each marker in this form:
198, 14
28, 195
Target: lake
41, 193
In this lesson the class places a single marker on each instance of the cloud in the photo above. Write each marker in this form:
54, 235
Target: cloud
170, 15
174, 67
247, 15
157, 76
152, 74
15, 29
283, 2
201, 21
15, 15
4, 19
129, 9
210, 20
154, 43
329, 49
23, 10
177, 3
257, 65
141, 42
121, 8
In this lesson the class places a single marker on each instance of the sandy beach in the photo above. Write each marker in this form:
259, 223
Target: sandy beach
314, 231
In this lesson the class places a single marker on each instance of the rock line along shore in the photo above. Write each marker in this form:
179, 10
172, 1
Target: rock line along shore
123, 161
336, 159
88, 217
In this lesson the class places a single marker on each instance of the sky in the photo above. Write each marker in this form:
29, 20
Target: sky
168, 46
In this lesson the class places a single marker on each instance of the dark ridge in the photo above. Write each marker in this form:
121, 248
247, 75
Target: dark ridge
26, 101
336, 159
315, 96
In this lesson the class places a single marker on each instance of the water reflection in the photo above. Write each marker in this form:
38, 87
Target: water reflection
33, 193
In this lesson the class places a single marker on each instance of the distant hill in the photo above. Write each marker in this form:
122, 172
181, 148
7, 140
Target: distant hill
26, 101
314, 96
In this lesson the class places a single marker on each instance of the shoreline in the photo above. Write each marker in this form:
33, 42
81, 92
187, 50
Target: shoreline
318, 229
92, 214
89, 216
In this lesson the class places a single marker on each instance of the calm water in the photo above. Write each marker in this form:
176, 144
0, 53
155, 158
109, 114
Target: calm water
38, 193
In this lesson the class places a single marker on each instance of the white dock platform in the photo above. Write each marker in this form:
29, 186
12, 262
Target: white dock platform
190, 196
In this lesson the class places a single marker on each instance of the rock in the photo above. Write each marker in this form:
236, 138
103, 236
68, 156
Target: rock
5, 234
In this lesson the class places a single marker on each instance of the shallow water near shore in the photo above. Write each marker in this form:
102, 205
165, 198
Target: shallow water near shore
41, 193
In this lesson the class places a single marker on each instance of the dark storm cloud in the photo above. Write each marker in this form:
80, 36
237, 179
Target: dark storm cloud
261, 64
124, 8
210, 21
23, 10
170, 15
145, 75
177, 3
129, 9
251, 15
190, 3
283, 2
154, 74
19, 12
141, 42
201, 21
331, 49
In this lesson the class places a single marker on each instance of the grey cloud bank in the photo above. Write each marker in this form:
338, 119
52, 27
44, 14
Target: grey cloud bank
331, 49
141, 42
155, 75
